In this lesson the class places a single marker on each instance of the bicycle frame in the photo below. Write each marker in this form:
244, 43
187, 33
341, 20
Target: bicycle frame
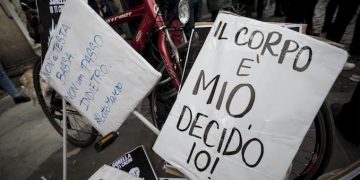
150, 16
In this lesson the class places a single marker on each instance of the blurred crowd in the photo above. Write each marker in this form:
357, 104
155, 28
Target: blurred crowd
338, 15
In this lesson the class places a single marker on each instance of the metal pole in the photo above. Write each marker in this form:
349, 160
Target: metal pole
146, 122
64, 137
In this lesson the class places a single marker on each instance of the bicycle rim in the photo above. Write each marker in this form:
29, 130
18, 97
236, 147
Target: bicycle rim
79, 132
315, 151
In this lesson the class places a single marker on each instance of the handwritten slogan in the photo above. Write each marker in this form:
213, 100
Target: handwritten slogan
95, 70
248, 101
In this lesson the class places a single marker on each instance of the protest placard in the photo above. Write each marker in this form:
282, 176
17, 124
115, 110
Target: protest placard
248, 101
137, 163
95, 70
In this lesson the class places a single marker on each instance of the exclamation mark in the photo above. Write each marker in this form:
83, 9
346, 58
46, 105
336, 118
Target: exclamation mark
191, 153
214, 166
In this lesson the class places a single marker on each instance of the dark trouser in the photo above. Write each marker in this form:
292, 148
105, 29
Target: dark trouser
309, 13
197, 10
347, 9
296, 11
329, 14
348, 121
301, 12
280, 7
260, 9
355, 44
195, 15
6, 84
214, 15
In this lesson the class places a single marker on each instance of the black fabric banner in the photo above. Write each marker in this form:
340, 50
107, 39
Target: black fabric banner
136, 163
49, 13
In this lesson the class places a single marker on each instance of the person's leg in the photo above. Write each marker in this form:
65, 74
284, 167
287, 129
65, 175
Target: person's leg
279, 8
198, 11
7, 85
309, 15
355, 44
296, 11
329, 14
214, 15
260, 9
347, 9
190, 24
348, 121
284, 6
250, 6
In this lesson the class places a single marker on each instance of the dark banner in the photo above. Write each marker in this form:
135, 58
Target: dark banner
49, 13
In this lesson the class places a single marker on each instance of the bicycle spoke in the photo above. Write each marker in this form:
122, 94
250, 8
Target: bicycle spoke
77, 127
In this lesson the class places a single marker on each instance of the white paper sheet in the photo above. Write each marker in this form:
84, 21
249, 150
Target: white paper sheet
107, 172
248, 101
95, 69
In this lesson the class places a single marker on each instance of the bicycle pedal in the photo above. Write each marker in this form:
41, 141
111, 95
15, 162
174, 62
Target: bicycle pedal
105, 141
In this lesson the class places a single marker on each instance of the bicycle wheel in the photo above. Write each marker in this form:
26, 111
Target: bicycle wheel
315, 151
161, 102
239, 8
79, 132
164, 95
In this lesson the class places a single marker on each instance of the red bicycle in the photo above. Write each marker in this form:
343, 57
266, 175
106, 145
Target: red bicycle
158, 36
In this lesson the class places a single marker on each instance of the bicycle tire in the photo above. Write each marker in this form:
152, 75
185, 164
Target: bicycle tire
53, 112
161, 102
163, 96
322, 150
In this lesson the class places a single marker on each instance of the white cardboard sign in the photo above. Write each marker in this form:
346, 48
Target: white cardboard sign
248, 101
107, 172
95, 69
